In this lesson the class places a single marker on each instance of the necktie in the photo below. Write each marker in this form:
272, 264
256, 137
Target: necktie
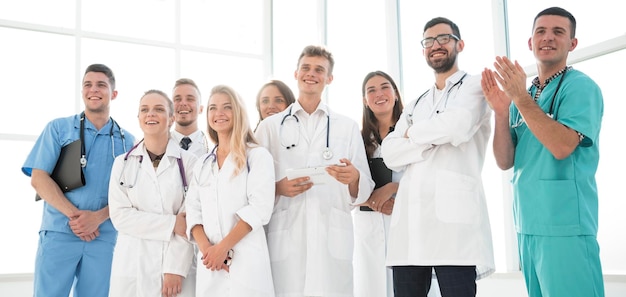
184, 143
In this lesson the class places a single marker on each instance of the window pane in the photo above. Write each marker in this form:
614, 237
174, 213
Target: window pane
205, 24
20, 216
612, 160
137, 68
296, 24
358, 49
144, 19
36, 75
39, 12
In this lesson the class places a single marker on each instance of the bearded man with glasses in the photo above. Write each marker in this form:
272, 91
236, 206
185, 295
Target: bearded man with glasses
440, 221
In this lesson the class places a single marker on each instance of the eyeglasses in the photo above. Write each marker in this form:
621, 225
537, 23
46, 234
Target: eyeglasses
441, 39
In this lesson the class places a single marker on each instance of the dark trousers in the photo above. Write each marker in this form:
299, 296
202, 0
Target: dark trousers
454, 281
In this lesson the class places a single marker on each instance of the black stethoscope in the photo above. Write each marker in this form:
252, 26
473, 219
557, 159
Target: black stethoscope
409, 117
519, 120
83, 154
327, 154
181, 169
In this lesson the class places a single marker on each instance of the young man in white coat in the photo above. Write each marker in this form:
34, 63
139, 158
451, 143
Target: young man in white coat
310, 234
440, 218
187, 106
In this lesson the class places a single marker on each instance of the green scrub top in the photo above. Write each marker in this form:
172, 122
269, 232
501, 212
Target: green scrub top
559, 197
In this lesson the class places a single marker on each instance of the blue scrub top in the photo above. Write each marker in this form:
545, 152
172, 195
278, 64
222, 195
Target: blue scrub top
559, 197
99, 153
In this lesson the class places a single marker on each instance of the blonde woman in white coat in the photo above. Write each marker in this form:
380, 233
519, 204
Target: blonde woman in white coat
230, 199
146, 203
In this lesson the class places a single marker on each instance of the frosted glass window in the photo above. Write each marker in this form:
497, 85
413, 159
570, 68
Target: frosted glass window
38, 70
358, 49
144, 19
39, 12
296, 24
234, 25
20, 215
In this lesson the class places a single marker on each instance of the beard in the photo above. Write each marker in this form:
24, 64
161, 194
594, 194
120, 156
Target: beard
443, 65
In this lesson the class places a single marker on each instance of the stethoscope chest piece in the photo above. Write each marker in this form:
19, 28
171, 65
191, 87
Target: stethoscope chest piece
327, 154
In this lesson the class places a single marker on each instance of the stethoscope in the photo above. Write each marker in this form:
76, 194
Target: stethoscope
409, 117
83, 154
213, 155
327, 154
519, 120
181, 169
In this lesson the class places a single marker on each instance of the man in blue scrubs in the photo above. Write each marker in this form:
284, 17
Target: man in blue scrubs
76, 238
550, 136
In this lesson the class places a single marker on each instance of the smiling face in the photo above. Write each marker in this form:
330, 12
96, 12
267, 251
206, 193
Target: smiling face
97, 92
442, 58
552, 40
155, 115
313, 75
271, 101
220, 113
186, 104
380, 97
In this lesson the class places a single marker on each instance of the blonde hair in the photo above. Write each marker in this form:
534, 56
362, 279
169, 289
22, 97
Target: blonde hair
241, 137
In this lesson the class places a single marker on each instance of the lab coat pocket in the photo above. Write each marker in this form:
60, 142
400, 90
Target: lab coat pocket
456, 198
278, 236
340, 234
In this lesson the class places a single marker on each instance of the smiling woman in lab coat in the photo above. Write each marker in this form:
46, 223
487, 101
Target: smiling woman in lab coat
231, 197
146, 203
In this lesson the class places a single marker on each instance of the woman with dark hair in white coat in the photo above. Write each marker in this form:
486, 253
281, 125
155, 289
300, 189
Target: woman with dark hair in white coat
152, 256
231, 197
382, 106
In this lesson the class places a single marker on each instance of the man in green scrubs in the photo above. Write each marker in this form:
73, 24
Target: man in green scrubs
550, 136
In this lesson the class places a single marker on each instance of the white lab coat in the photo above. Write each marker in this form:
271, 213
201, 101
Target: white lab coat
145, 215
217, 200
372, 278
310, 236
440, 215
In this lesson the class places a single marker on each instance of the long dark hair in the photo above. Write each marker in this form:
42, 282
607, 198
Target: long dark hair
369, 132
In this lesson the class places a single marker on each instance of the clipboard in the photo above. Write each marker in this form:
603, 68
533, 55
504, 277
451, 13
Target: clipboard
380, 174
68, 172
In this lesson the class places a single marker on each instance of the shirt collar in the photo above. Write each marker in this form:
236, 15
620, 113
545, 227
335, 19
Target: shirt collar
178, 136
296, 107
537, 83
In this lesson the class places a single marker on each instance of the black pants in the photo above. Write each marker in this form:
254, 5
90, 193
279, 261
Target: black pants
454, 281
